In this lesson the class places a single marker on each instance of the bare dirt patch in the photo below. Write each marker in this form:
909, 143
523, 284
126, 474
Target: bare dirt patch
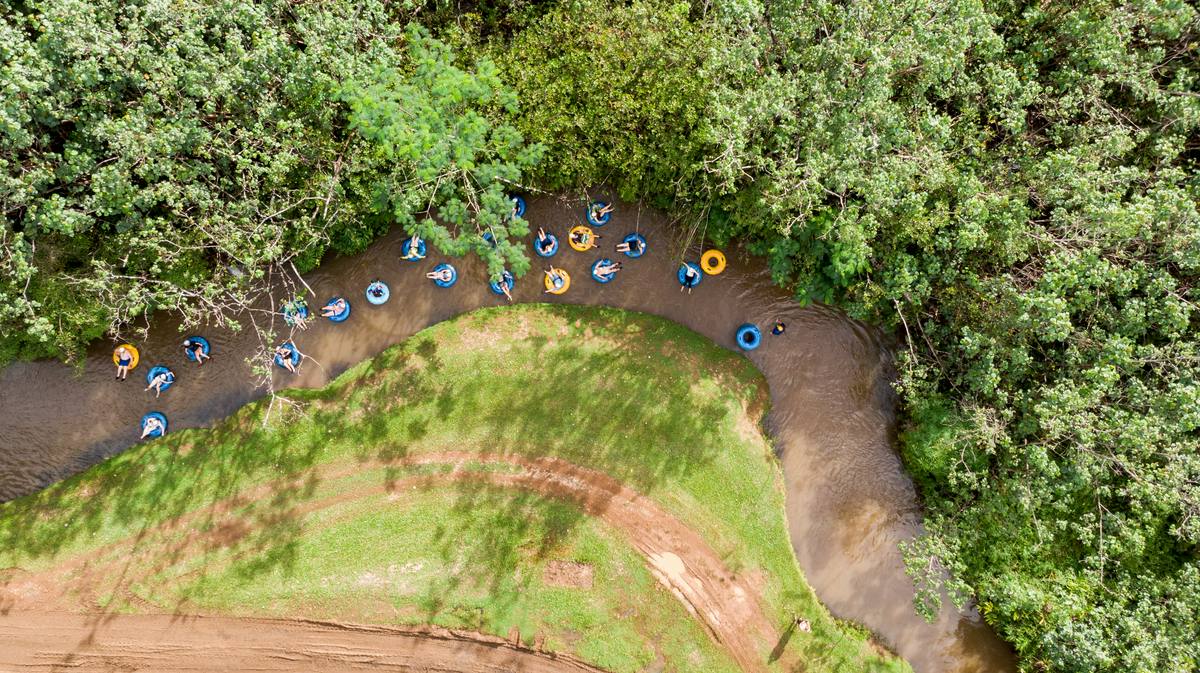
49, 641
725, 602
569, 574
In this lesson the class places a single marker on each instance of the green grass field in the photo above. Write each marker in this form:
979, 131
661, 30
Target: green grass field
308, 513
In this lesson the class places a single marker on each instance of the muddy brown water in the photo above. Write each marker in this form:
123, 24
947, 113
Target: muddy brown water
849, 500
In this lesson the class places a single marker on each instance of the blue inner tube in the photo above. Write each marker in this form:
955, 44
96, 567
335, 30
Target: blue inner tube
549, 250
602, 278
291, 310
378, 293
453, 275
598, 221
295, 357
520, 205
682, 275
159, 369
748, 337
507, 279
408, 245
161, 419
637, 245
204, 347
489, 239
339, 317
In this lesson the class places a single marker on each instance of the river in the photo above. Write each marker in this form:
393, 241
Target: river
849, 500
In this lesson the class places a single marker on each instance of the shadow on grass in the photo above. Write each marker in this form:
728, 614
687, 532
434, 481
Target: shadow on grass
624, 408
624, 404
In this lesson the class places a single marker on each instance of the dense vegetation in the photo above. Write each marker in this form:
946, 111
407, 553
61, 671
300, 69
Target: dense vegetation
1013, 187
177, 154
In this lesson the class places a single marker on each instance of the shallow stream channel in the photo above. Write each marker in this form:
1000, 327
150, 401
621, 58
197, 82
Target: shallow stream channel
849, 499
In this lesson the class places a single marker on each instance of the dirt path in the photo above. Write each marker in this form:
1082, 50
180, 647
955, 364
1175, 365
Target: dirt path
725, 603
49, 641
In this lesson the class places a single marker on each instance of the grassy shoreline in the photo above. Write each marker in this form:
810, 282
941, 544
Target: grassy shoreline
651, 404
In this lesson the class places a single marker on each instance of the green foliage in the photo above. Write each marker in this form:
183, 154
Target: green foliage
1013, 188
437, 153
1014, 191
178, 155
152, 159
613, 91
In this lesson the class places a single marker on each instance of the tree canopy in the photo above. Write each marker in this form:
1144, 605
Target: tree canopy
181, 155
1011, 187
1014, 190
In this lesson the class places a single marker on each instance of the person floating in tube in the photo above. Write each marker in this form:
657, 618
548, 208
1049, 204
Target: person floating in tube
336, 308
413, 251
555, 277
441, 275
779, 328
633, 245
196, 349
162, 379
151, 426
124, 360
584, 239
609, 269
599, 211
285, 356
690, 278
544, 242
375, 289
295, 311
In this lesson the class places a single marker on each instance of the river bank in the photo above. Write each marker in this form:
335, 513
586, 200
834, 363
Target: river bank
832, 420
592, 479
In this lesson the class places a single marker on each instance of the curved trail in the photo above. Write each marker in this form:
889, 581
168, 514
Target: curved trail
678, 557
50, 641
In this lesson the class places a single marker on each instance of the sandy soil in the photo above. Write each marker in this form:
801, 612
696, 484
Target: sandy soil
725, 603
48, 641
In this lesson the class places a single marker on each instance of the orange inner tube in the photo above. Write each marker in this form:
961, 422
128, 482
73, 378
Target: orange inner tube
713, 262
589, 238
133, 355
566, 277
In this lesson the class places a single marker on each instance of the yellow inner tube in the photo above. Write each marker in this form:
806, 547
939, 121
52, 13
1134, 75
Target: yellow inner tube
558, 290
713, 262
133, 352
587, 235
